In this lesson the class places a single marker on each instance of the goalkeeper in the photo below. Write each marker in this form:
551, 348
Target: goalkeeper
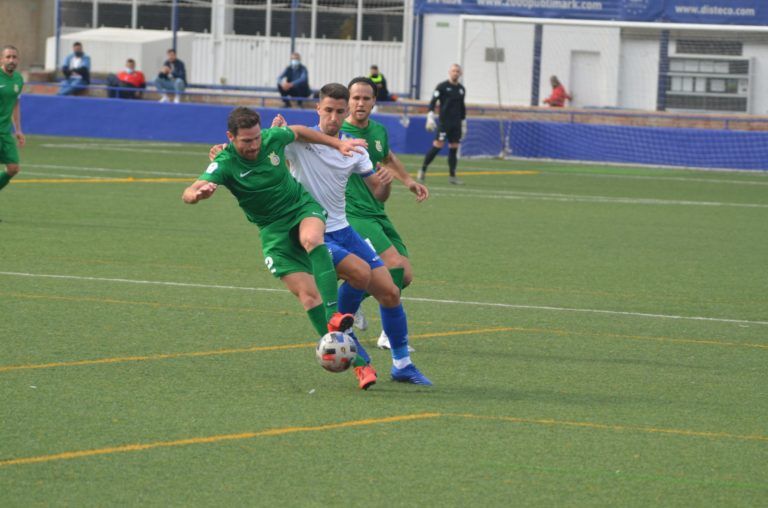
452, 122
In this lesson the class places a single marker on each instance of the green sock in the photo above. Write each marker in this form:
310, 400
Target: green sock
325, 278
317, 317
4, 178
397, 275
358, 362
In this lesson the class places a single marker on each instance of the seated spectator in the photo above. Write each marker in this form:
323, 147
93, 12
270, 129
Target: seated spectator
382, 92
172, 78
127, 78
294, 81
77, 71
559, 95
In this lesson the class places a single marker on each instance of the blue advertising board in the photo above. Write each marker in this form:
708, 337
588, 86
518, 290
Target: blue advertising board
717, 12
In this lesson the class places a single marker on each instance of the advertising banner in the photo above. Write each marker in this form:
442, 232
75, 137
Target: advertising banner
732, 12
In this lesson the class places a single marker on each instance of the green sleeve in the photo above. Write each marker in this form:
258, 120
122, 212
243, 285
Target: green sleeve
284, 135
215, 173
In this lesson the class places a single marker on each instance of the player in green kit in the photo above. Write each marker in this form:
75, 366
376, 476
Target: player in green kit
11, 84
291, 223
365, 212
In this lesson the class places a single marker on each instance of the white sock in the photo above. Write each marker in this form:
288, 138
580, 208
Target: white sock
401, 363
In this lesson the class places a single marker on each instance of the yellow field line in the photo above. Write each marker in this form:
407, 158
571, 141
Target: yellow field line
101, 180
371, 421
131, 179
618, 428
168, 356
211, 439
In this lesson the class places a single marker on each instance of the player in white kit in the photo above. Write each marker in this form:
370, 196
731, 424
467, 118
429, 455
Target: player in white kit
325, 174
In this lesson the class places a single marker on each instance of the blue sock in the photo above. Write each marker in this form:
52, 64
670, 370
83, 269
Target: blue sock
349, 298
360, 349
395, 325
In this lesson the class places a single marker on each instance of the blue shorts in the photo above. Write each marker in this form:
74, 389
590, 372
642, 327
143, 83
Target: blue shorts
346, 241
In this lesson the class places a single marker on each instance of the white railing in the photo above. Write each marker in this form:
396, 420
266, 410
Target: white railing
257, 61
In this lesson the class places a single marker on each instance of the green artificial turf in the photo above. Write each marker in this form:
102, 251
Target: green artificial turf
596, 336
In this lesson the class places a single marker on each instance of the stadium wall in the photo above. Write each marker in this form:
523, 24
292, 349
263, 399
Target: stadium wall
603, 65
566, 140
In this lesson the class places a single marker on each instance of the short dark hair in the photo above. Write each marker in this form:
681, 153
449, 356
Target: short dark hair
334, 91
375, 67
131, 60
242, 118
77, 44
171, 51
363, 79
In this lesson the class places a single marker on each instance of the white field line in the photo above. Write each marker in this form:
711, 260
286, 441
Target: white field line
576, 198
663, 178
52, 175
761, 174
107, 170
410, 298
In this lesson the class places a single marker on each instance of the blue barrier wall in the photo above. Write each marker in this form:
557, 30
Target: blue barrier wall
194, 123
200, 123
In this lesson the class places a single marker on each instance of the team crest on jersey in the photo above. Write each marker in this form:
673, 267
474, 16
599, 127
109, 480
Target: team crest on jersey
378, 146
274, 159
461, 91
16, 88
213, 166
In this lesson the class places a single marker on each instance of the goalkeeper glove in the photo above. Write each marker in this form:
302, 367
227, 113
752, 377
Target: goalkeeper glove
463, 129
431, 124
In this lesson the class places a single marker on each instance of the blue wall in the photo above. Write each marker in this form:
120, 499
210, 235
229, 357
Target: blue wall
200, 123
194, 123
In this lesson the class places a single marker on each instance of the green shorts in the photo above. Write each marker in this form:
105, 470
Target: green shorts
283, 253
9, 154
379, 232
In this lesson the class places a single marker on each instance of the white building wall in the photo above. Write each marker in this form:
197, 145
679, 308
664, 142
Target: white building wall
759, 54
109, 48
559, 45
440, 50
509, 82
638, 73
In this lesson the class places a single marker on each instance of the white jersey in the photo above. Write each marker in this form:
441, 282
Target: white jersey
324, 172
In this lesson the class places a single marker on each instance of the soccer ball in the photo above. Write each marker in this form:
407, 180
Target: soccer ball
335, 351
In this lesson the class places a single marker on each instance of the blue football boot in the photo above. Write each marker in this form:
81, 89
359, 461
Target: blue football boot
410, 374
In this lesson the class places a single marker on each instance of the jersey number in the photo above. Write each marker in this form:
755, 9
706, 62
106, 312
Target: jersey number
270, 262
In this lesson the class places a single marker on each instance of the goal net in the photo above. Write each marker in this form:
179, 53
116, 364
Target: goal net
649, 93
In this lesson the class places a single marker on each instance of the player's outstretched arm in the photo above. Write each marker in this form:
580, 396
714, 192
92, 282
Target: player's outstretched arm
395, 165
345, 146
379, 184
201, 189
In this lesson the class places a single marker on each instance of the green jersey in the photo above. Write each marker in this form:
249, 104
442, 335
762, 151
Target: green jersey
264, 188
10, 89
360, 200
